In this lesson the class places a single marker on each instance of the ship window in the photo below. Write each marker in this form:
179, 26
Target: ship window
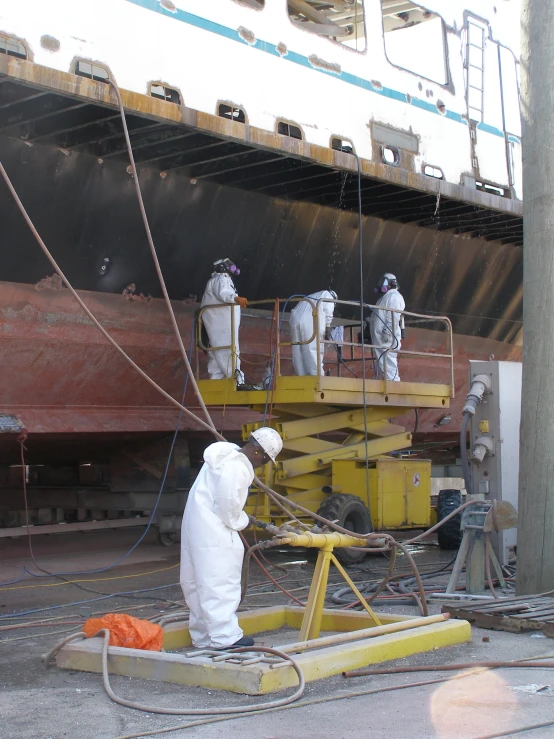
493, 189
415, 39
289, 129
12, 47
435, 172
339, 21
92, 71
252, 3
391, 155
163, 92
231, 112
342, 145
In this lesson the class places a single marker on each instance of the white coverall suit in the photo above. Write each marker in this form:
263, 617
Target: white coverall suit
385, 332
220, 289
211, 549
304, 356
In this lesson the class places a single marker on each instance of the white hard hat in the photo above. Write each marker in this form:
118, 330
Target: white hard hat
389, 276
269, 440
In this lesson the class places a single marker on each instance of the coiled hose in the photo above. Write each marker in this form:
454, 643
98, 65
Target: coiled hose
47, 659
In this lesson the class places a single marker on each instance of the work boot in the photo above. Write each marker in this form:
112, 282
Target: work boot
246, 641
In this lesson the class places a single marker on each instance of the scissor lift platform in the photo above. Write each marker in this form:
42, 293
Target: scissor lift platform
322, 390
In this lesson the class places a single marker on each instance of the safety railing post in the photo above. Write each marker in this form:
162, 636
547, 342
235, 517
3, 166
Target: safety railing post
233, 344
277, 314
319, 358
198, 342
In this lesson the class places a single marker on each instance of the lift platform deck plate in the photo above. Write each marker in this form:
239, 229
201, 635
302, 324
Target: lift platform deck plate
344, 391
260, 677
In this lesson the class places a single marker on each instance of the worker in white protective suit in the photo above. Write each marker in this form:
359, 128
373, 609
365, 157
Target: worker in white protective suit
304, 356
386, 327
220, 289
211, 548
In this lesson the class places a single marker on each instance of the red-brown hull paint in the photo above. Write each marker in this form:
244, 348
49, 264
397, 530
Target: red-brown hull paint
59, 375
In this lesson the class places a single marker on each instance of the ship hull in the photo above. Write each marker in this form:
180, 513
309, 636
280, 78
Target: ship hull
68, 386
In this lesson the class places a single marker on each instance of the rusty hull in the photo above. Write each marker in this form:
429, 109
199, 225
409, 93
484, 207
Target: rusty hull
61, 378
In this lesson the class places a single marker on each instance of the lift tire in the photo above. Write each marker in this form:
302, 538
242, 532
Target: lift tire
350, 513
167, 539
449, 535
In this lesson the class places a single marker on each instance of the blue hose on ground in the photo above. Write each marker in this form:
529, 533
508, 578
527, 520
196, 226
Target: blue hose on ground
122, 593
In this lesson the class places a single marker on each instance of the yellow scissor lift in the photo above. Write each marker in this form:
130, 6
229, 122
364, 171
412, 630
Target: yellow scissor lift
323, 422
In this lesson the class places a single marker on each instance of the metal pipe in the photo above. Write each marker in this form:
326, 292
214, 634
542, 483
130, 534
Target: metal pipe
327, 641
444, 668
333, 539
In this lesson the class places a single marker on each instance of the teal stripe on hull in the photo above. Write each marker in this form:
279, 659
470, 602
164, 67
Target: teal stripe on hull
303, 61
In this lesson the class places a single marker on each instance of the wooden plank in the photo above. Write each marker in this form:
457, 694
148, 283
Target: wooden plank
497, 623
514, 615
515, 608
66, 528
479, 605
537, 615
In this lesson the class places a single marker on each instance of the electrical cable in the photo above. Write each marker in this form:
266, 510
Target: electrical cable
154, 253
361, 268
121, 594
98, 579
270, 577
342, 361
94, 320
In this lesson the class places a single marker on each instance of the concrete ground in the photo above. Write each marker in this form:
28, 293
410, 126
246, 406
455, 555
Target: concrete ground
36, 703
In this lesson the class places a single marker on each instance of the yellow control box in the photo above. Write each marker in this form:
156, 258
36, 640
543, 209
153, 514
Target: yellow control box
399, 490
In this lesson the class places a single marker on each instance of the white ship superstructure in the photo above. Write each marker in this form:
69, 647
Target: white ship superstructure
429, 88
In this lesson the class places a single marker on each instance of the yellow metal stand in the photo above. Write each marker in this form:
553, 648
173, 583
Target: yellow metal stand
313, 614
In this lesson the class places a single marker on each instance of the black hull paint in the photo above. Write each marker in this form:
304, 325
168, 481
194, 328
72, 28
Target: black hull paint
86, 211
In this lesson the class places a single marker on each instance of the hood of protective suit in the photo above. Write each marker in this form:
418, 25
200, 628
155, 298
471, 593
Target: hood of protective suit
221, 451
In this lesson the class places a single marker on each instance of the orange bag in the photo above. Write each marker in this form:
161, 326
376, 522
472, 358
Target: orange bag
127, 631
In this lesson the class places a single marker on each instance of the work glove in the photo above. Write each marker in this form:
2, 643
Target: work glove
251, 520
243, 302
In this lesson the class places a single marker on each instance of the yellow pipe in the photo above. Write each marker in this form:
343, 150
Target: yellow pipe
333, 539
326, 641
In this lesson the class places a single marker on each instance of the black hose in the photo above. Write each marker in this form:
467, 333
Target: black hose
463, 453
414, 432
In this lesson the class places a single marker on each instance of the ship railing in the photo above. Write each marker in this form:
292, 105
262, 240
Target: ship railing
349, 350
